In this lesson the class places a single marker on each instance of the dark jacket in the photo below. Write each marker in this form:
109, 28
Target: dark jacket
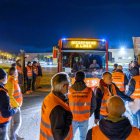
125, 77
39, 71
99, 95
134, 71
79, 86
60, 119
113, 130
5, 108
20, 75
131, 87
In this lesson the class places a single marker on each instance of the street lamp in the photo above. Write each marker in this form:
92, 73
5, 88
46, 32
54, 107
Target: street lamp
122, 50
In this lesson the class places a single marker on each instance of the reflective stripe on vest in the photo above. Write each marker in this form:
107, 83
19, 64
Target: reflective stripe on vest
17, 91
49, 103
80, 103
45, 136
2, 119
97, 134
29, 71
81, 112
19, 69
106, 96
137, 89
118, 79
136, 93
47, 126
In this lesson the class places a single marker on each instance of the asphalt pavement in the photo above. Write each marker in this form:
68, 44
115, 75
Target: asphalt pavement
31, 112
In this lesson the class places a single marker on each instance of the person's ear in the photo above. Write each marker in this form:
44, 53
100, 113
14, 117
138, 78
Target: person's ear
124, 109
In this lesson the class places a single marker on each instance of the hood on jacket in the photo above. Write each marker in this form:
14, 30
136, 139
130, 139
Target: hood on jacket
118, 70
115, 130
79, 86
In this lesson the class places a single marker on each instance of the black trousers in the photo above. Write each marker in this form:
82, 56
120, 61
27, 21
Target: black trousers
29, 82
34, 82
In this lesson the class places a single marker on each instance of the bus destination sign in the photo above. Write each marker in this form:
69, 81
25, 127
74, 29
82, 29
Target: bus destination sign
83, 44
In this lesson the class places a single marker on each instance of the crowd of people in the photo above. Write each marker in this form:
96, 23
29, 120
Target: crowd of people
11, 97
32, 74
10, 103
68, 107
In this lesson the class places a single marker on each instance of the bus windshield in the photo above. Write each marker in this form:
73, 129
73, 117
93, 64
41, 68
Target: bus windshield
91, 62
83, 54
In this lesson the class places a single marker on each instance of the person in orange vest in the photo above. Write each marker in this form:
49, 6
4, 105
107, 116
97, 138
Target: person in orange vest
134, 92
115, 126
119, 78
82, 104
105, 90
6, 112
20, 72
16, 101
56, 117
29, 77
35, 74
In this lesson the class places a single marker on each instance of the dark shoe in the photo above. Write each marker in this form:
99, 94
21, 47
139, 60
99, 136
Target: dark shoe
19, 138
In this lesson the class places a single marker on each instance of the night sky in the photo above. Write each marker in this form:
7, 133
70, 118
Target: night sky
37, 25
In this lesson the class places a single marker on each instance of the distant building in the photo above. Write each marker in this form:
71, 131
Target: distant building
122, 56
37, 56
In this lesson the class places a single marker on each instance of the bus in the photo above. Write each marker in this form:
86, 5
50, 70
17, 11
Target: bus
83, 54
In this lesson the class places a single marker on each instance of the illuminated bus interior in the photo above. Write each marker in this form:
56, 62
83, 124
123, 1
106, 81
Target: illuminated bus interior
93, 63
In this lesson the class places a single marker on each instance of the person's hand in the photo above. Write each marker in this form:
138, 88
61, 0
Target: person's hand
16, 108
96, 121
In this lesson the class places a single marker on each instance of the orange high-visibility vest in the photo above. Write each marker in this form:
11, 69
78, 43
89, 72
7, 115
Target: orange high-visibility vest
29, 71
35, 69
17, 91
80, 103
49, 103
98, 135
118, 79
136, 93
2, 119
19, 69
106, 95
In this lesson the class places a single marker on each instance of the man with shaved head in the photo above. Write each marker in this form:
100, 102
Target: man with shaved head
114, 126
106, 90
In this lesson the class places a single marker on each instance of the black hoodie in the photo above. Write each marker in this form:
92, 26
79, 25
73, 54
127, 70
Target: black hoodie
113, 130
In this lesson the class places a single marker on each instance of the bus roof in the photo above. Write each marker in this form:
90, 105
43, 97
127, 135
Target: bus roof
63, 39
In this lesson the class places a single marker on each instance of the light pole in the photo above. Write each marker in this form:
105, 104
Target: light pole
22, 56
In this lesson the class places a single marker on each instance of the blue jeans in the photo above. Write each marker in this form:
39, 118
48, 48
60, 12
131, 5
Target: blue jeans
136, 119
83, 128
4, 133
15, 125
